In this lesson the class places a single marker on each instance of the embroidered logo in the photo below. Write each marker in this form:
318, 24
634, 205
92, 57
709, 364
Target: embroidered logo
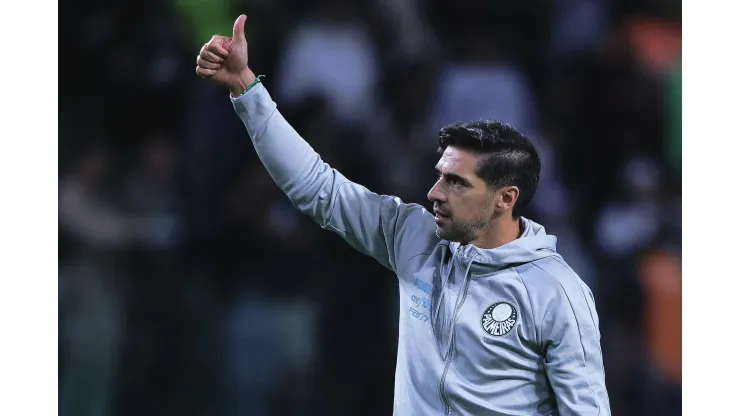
499, 319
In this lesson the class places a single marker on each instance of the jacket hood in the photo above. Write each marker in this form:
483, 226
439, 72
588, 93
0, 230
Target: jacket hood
532, 245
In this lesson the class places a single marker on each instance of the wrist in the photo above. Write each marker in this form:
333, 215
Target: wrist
242, 82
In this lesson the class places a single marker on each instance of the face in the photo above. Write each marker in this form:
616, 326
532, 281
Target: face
464, 206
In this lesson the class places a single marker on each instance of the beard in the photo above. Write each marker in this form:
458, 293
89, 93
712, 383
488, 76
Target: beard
462, 232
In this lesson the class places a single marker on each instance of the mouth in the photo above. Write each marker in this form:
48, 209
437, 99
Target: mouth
439, 217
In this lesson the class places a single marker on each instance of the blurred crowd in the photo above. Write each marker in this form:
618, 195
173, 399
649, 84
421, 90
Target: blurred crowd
188, 283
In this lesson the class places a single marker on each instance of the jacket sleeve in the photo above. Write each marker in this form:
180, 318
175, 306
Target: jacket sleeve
573, 359
380, 226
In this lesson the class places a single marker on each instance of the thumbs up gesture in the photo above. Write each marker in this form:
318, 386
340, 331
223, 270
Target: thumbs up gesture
224, 60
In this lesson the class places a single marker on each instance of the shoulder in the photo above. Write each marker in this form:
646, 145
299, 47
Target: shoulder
415, 232
552, 285
550, 275
414, 212
406, 215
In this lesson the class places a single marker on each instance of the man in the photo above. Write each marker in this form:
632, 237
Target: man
493, 321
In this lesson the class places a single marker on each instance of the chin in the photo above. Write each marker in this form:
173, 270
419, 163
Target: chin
452, 235
440, 233
444, 235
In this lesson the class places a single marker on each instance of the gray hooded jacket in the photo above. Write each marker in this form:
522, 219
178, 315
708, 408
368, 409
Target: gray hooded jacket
507, 331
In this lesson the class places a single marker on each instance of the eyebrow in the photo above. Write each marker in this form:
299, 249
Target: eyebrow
454, 176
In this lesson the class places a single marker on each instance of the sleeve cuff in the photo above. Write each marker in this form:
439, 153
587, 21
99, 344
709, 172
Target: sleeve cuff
249, 93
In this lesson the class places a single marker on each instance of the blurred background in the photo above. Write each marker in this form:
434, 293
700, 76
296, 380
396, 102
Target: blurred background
189, 285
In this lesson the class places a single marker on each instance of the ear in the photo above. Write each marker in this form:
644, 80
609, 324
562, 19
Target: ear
506, 198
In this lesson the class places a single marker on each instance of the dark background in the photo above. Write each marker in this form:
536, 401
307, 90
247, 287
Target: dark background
189, 285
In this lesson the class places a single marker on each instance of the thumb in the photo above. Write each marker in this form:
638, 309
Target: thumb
239, 29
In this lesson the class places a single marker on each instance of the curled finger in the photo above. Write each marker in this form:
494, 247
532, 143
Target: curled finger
217, 49
204, 72
209, 56
207, 64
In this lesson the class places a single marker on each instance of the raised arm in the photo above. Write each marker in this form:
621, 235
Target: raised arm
377, 225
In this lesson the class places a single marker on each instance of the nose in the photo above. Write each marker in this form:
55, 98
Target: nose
435, 194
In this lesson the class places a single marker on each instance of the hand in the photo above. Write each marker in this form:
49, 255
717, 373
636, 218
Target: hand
224, 60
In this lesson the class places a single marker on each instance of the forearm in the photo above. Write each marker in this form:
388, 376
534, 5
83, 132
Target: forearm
292, 163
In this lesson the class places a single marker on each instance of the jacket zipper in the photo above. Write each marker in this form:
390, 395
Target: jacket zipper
450, 344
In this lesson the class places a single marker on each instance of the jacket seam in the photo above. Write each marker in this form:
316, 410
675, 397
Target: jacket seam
531, 311
263, 127
578, 327
590, 312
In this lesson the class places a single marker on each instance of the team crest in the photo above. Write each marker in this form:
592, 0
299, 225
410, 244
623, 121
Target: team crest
499, 319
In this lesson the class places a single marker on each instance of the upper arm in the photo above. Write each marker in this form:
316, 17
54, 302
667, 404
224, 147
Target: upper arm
380, 226
573, 358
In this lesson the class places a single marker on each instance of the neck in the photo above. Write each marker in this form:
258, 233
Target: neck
501, 231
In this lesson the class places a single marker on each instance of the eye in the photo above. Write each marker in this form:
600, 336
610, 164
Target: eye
450, 180
455, 182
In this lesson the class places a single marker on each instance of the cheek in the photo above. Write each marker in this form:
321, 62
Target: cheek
463, 207
472, 207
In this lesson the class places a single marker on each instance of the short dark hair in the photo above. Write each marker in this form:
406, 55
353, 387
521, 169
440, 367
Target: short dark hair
507, 157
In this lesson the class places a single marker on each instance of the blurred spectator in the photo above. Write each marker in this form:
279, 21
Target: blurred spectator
268, 324
660, 275
577, 26
268, 353
656, 42
94, 282
626, 226
413, 38
331, 55
153, 193
482, 84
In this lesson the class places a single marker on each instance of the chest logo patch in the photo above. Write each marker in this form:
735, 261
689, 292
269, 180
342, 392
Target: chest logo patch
499, 319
